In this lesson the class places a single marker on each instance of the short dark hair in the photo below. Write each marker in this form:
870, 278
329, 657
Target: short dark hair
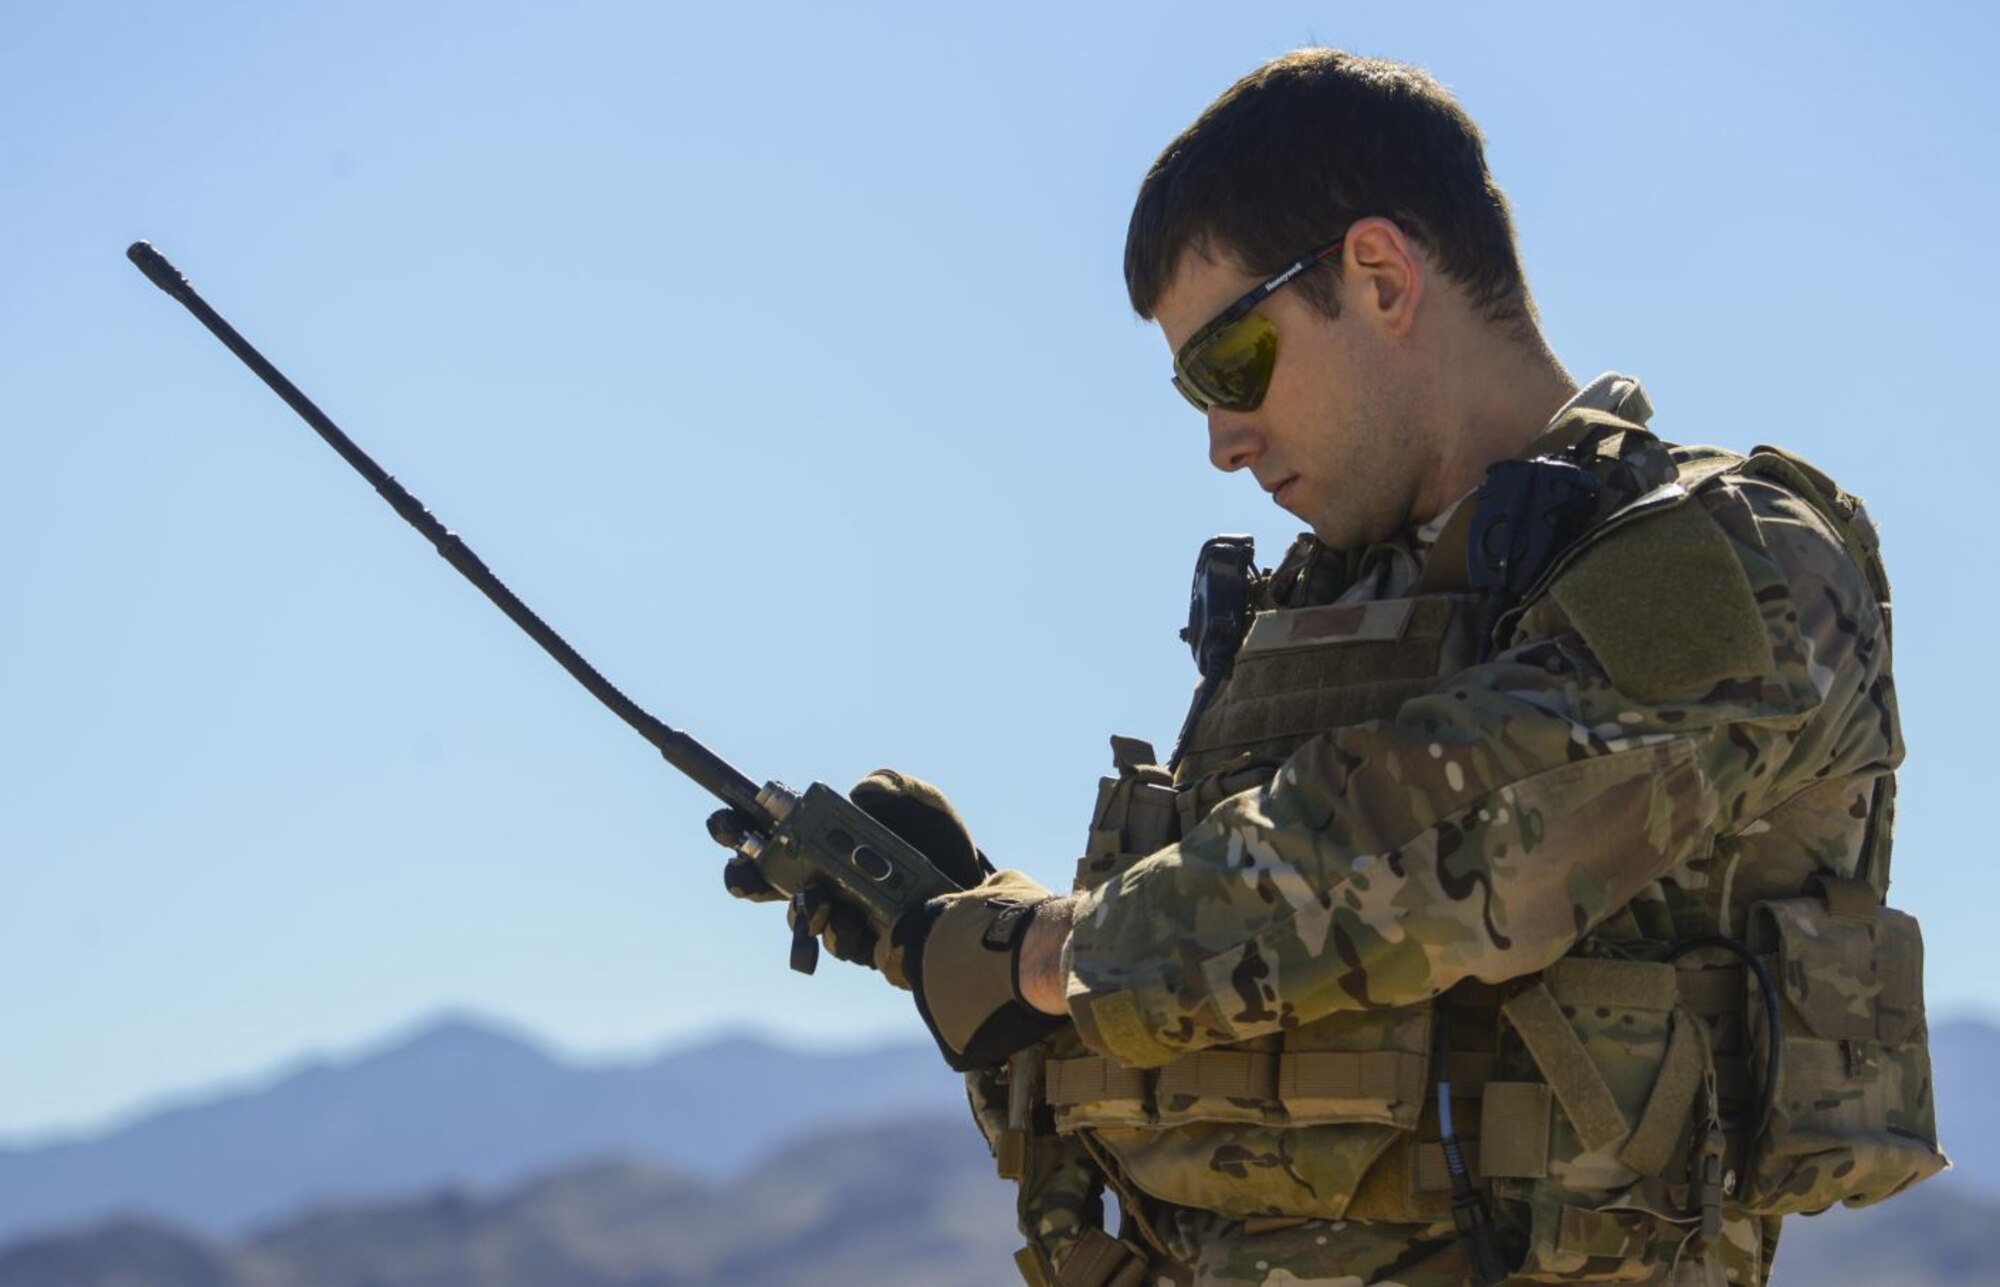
1303, 146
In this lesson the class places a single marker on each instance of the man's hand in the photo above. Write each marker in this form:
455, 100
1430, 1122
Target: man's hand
964, 955
908, 806
985, 964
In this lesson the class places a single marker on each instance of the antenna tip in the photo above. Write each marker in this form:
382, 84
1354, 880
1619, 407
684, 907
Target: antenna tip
156, 267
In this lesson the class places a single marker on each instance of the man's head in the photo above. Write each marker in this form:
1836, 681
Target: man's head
1375, 341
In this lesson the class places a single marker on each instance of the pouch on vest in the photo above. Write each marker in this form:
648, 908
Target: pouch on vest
1624, 1063
1852, 1118
1291, 1123
1060, 1206
1135, 814
1287, 1124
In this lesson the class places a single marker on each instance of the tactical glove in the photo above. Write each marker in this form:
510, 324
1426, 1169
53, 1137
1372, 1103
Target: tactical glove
962, 954
908, 806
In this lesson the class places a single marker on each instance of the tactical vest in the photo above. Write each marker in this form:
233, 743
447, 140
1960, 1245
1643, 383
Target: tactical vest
1773, 1066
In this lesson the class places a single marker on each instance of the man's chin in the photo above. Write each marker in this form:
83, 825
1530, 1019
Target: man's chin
1345, 531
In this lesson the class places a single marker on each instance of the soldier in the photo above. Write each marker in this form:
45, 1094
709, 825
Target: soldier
1512, 907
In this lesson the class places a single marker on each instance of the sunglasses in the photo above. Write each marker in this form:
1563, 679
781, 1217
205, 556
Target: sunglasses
1228, 362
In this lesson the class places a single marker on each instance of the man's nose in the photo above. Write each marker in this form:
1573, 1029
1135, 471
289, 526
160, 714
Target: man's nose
1232, 443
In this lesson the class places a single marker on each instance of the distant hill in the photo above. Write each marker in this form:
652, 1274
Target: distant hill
912, 1205
459, 1102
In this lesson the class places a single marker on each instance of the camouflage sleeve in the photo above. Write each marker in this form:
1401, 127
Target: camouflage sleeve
1674, 679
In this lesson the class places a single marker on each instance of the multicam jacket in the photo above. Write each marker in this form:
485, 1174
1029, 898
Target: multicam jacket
1687, 732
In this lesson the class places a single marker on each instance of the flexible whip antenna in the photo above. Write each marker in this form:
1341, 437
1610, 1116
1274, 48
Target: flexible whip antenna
708, 769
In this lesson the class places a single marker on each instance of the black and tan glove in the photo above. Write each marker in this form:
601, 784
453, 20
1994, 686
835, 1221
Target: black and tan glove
962, 955
908, 806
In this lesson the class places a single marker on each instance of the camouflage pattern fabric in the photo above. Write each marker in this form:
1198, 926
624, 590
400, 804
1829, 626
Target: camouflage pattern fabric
1688, 723
1496, 820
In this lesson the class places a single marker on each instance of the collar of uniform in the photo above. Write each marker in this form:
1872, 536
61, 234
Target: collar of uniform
1618, 395
1444, 559
1442, 540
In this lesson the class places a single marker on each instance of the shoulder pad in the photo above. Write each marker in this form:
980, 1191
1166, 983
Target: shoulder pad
1663, 602
1843, 512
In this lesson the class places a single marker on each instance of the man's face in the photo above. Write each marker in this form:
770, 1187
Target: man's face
1333, 439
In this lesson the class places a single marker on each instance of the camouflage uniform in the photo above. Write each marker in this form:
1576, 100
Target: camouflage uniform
1682, 729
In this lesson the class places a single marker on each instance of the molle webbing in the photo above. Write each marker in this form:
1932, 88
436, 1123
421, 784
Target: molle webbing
1287, 1085
1305, 671
1334, 1081
1094, 1079
1316, 1087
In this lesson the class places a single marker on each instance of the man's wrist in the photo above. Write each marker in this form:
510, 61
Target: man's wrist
1042, 984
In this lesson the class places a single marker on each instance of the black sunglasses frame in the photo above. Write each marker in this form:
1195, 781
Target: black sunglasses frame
1227, 318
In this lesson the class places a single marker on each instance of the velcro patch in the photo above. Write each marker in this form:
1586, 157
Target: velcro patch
1123, 1031
1666, 607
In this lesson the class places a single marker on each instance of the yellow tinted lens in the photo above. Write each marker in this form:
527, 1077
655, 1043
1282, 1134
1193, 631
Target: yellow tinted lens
1233, 368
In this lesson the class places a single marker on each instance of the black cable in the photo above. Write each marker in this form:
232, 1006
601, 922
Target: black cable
1768, 1096
1469, 1212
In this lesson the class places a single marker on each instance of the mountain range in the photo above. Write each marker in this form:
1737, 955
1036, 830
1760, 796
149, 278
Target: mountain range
465, 1155
909, 1205
460, 1101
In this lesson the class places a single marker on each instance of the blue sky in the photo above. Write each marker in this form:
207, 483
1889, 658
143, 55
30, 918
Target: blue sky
778, 355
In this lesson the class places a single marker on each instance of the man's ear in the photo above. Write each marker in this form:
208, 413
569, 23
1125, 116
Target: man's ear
1385, 277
